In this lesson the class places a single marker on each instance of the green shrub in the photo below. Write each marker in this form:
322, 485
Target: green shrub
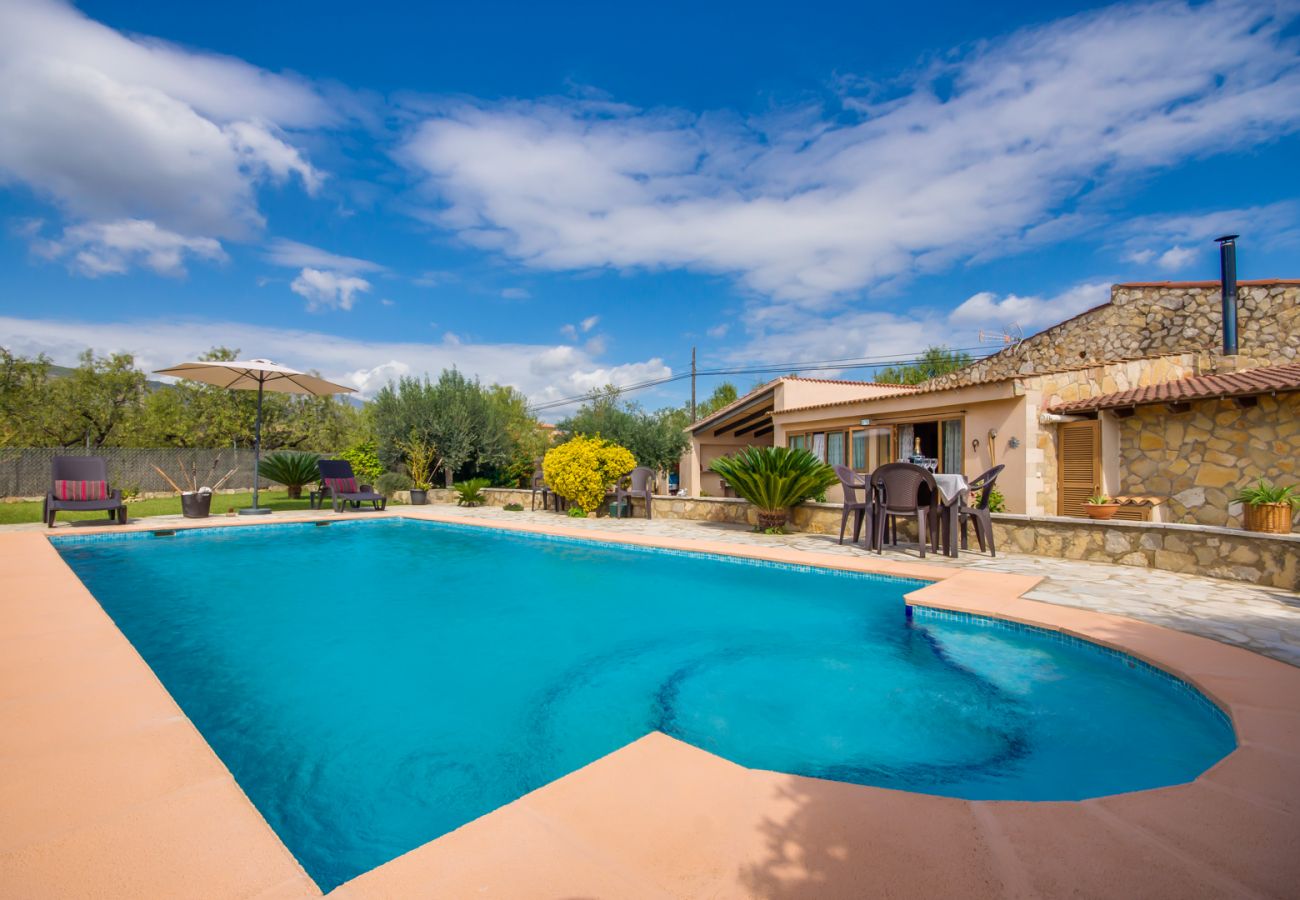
1264, 492
470, 493
577, 512
774, 479
997, 502
291, 468
390, 483
365, 462
513, 507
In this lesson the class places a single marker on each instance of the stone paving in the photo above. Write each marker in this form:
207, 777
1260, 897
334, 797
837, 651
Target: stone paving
1265, 620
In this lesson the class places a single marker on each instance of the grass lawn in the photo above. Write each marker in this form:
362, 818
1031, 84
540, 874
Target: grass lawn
13, 513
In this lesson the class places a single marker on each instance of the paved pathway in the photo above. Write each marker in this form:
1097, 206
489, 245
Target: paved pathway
1265, 620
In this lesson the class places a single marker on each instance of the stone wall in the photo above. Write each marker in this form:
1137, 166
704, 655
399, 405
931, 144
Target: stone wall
1263, 559
1199, 459
1146, 320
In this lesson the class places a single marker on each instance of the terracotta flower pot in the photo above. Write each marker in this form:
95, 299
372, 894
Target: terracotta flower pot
1101, 510
1269, 518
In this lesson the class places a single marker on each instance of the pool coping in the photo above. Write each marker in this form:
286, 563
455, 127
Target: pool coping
106, 782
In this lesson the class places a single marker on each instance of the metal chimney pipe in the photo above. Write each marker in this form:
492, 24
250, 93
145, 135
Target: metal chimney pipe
1228, 270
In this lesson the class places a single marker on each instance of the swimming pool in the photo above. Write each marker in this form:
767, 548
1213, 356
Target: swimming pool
373, 685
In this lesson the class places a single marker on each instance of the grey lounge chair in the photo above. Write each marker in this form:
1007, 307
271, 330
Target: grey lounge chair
74, 477
539, 486
903, 489
638, 484
862, 508
979, 514
343, 488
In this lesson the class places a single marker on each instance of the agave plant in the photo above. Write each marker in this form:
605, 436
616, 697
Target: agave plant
291, 468
775, 479
470, 493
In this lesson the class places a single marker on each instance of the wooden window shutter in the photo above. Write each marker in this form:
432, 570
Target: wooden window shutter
1079, 468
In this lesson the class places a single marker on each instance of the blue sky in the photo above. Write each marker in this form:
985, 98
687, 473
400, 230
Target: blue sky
560, 200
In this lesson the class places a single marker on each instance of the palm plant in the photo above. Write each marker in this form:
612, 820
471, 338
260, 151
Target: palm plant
470, 493
291, 468
774, 479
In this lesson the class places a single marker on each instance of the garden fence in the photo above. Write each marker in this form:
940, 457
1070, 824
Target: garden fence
26, 472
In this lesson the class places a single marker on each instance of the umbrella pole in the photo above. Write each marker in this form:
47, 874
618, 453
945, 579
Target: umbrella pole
257, 454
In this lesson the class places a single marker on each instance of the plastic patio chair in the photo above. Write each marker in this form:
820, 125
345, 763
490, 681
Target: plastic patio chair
80, 484
899, 488
640, 483
979, 514
863, 509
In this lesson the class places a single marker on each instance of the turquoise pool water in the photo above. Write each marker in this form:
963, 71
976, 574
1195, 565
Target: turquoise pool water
373, 685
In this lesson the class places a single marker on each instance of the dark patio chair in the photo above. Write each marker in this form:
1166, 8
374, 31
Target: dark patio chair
903, 489
978, 515
640, 483
80, 484
342, 486
539, 486
862, 508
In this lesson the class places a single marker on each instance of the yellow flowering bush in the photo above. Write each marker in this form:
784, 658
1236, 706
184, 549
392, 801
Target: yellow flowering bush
583, 469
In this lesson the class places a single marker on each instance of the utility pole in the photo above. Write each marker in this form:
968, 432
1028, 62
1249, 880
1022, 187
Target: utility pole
692, 384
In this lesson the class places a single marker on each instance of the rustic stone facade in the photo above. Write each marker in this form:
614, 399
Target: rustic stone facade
1201, 458
1150, 320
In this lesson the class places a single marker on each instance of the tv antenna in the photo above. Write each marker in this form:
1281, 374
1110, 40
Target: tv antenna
1010, 336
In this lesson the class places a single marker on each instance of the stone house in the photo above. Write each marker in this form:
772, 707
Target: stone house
1135, 397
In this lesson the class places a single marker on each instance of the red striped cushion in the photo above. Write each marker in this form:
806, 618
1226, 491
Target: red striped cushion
342, 485
81, 490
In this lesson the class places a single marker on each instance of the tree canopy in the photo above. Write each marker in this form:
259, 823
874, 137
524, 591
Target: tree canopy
935, 361
655, 439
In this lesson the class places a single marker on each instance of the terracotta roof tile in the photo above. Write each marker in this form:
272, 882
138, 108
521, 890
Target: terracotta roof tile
1247, 382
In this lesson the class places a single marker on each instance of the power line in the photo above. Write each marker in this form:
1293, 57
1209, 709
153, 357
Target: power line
835, 364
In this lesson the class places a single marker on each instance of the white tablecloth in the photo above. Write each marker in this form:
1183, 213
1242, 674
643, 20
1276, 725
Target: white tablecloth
951, 486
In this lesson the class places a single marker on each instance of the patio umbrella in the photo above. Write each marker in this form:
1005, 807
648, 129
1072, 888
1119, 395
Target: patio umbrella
259, 375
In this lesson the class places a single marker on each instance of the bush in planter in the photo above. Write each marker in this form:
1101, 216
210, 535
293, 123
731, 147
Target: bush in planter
583, 470
390, 483
421, 461
774, 479
1269, 507
513, 507
291, 468
470, 493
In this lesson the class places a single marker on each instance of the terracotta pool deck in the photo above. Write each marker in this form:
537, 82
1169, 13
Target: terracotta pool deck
108, 790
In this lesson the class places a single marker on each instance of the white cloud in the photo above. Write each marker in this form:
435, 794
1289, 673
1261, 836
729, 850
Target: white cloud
991, 147
324, 289
570, 332
293, 255
515, 293
589, 323
111, 127
1176, 258
112, 248
719, 331
986, 310
1175, 242
785, 333
542, 372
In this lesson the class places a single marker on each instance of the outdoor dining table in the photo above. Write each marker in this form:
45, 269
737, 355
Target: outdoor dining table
952, 491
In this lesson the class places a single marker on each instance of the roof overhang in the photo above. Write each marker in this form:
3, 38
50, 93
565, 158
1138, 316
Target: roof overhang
748, 416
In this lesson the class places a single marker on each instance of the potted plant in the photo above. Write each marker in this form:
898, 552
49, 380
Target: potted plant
291, 468
1269, 507
1099, 506
196, 503
774, 479
422, 461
